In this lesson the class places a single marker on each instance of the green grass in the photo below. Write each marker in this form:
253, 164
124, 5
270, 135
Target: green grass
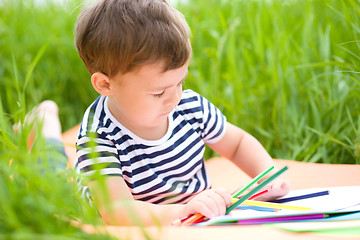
38, 199
285, 71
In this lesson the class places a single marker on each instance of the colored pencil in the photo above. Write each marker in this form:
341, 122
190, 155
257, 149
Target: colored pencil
253, 181
281, 219
301, 197
195, 217
271, 205
257, 188
192, 219
256, 208
258, 194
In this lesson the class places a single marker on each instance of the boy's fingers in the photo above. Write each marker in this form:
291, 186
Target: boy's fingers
276, 189
211, 203
225, 195
205, 204
280, 187
219, 204
216, 200
206, 209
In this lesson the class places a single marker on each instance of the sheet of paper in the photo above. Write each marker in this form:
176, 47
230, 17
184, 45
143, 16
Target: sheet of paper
340, 199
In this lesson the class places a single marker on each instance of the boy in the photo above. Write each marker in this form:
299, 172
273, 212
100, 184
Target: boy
149, 134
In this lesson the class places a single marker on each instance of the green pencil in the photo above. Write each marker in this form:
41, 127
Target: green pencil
257, 188
254, 180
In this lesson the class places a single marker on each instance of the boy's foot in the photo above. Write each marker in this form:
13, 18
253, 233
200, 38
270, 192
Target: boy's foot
46, 113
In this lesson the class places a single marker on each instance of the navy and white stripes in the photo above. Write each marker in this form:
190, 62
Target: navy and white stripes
168, 170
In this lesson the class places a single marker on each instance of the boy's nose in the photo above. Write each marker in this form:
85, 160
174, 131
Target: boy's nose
174, 97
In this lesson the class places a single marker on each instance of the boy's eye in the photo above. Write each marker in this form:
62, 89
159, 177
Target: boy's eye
159, 94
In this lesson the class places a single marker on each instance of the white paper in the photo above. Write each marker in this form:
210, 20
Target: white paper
340, 199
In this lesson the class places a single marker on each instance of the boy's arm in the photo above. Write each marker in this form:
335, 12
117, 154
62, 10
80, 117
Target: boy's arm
249, 155
117, 206
121, 209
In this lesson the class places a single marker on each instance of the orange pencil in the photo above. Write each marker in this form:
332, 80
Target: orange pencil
192, 219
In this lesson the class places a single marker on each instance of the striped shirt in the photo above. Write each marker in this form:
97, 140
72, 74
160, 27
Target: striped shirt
164, 171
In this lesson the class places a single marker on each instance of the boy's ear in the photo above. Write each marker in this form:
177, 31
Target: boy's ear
101, 83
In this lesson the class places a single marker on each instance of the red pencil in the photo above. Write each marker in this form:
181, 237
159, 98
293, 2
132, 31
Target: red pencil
258, 194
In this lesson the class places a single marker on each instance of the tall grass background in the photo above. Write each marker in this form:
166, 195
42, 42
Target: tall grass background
285, 71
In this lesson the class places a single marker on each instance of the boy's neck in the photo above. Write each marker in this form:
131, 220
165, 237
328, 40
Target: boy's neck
146, 133
155, 133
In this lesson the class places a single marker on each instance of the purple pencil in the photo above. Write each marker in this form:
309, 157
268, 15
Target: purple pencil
281, 219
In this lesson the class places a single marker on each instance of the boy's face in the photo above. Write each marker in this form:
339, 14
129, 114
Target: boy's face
142, 99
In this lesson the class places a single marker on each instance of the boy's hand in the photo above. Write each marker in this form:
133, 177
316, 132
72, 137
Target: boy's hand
277, 188
210, 203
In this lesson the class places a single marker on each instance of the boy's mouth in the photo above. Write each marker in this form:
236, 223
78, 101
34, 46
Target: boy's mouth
166, 113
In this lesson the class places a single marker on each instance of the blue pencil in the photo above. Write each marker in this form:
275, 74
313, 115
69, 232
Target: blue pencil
256, 208
300, 197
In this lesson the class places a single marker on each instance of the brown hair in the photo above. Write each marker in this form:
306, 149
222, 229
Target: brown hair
120, 35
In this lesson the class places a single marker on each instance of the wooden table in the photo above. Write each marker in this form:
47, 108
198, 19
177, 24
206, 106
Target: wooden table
223, 173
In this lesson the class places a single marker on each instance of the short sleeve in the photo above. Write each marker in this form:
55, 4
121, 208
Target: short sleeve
213, 121
97, 155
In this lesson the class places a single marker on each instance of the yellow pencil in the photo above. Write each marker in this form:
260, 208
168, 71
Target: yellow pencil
271, 205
